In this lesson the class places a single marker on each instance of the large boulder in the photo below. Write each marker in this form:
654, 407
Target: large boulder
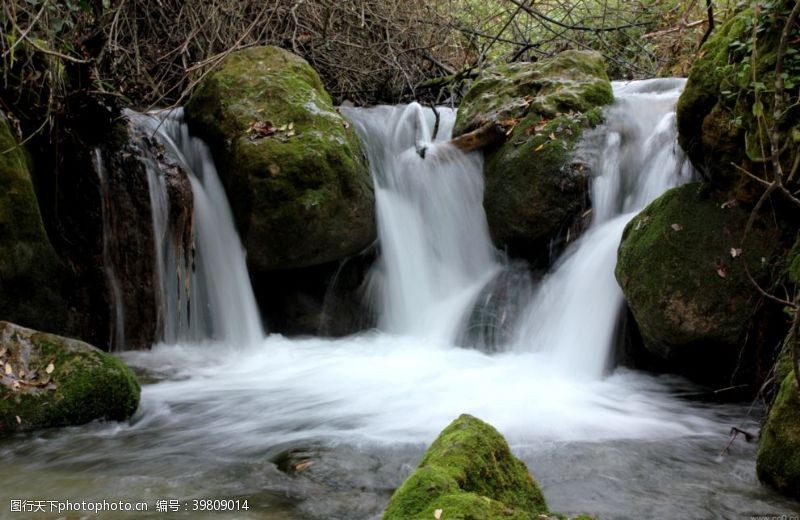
534, 192
468, 472
683, 271
729, 90
33, 280
778, 460
294, 170
48, 380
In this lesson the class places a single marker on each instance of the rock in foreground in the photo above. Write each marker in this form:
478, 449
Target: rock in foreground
468, 473
48, 380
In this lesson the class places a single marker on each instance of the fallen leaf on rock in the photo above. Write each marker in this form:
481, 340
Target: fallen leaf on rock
303, 465
735, 252
676, 227
261, 129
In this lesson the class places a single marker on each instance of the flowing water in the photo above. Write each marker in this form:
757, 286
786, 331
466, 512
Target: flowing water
316, 428
205, 291
117, 325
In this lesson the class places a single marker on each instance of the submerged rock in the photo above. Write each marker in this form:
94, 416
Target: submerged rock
48, 380
294, 170
468, 472
682, 269
533, 191
778, 460
33, 280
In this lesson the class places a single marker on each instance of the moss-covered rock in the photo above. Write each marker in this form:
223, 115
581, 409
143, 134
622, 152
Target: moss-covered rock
533, 192
682, 270
728, 87
48, 380
295, 172
468, 473
32, 277
778, 460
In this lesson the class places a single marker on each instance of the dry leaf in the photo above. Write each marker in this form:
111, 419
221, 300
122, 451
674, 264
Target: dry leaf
290, 133
437, 514
50, 368
303, 465
8, 368
538, 148
261, 129
291, 125
735, 252
3, 351
676, 227
552, 136
19, 421
283, 128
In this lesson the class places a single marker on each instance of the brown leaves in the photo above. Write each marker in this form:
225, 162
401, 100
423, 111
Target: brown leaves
260, 129
17, 376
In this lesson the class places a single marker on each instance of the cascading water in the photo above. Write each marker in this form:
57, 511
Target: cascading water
436, 254
574, 312
117, 336
205, 291
359, 411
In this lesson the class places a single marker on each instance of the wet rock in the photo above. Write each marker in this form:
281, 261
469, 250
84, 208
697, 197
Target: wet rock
468, 472
681, 267
293, 169
33, 280
778, 460
48, 380
533, 191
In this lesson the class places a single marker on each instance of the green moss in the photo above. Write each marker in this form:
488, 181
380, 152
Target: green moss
32, 277
716, 121
88, 384
570, 81
689, 293
300, 197
778, 460
532, 191
468, 472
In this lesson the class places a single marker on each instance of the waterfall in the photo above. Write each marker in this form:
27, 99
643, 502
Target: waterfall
203, 285
436, 253
117, 336
439, 275
636, 158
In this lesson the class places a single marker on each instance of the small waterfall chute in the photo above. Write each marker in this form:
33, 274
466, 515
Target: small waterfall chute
204, 288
